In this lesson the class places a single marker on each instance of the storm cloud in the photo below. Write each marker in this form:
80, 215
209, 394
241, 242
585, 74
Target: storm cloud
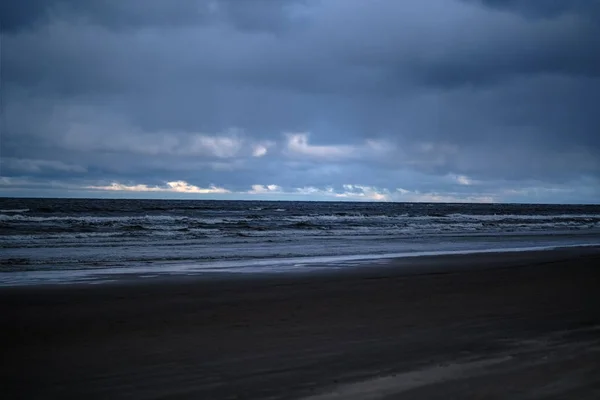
444, 100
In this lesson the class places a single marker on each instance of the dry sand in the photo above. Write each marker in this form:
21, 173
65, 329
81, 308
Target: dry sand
490, 326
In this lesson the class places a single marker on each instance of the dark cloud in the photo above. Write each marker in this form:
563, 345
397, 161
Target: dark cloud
546, 8
387, 94
20, 15
254, 15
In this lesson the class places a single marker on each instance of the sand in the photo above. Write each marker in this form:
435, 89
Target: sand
493, 326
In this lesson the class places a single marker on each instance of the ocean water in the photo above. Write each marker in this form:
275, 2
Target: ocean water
65, 240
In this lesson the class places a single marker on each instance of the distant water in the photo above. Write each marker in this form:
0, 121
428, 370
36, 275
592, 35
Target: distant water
59, 239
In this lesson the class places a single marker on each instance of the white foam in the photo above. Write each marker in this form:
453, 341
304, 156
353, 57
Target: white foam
296, 264
16, 210
524, 217
117, 219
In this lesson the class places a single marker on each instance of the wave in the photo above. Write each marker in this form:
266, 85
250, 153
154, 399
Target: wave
17, 215
497, 217
92, 219
32, 238
268, 224
135, 228
305, 225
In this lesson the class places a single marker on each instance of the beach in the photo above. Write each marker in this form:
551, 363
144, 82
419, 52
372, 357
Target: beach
506, 325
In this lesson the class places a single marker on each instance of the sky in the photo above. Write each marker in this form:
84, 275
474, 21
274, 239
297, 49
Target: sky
381, 100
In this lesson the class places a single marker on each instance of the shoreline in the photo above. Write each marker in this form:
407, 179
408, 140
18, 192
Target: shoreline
493, 325
246, 269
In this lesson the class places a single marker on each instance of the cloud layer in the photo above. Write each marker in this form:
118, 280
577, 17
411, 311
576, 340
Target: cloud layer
451, 100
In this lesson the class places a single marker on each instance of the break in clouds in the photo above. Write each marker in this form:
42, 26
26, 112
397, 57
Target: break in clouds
438, 100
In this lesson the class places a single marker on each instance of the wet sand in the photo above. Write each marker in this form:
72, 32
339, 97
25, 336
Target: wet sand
493, 326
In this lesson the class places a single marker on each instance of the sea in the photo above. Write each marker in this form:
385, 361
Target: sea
100, 240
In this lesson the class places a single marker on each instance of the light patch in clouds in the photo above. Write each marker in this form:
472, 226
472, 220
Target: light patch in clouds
311, 190
415, 196
297, 143
486, 192
366, 192
350, 192
87, 129
78, 137
173, 187
462, 179
221, 147
265, 189
261, 149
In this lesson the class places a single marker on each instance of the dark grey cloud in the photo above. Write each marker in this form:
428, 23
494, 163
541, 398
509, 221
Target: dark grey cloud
254, 15
546, 8
386, 93
27, 14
